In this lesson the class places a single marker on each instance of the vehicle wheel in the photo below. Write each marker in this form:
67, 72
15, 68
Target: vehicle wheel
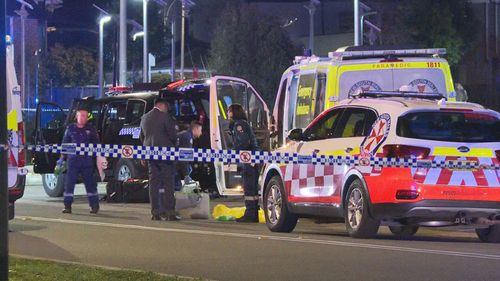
125, 170
359, 223
490, 234
53, 184
278, 217
404, 230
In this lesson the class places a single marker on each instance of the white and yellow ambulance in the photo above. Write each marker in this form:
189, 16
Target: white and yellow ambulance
314, 84
16, 156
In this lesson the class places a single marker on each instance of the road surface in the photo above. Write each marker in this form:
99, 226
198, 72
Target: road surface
123, 236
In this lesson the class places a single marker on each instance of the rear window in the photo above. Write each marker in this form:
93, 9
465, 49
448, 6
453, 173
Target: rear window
450, 126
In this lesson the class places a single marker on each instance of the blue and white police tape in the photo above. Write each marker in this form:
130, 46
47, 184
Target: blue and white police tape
256, 157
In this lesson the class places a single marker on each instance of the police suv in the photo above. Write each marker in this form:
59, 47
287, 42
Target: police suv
117, 119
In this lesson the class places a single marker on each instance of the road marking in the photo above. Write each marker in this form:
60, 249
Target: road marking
269, 237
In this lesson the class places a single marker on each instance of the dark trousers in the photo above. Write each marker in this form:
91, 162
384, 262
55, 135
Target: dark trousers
161, 187
87, 173
250, 187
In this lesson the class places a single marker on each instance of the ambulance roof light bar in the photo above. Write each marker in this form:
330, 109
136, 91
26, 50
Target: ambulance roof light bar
398, 94
340, 55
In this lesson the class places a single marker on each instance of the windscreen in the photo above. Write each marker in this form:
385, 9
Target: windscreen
450, 126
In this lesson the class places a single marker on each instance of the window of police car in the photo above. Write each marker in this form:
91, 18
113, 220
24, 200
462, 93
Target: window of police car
135, 110
257, 114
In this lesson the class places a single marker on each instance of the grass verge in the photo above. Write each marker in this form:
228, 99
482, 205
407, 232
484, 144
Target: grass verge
40, 270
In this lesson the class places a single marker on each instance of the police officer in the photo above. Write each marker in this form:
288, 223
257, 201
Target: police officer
244, 139
158, 129
185, 139
80, 133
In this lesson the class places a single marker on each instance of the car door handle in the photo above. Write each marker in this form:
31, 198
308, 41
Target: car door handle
349, 150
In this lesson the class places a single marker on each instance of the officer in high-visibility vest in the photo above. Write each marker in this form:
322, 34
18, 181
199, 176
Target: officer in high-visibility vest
244, 139
80, 132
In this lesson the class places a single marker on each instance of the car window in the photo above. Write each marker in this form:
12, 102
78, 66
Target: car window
256, 112
230, 92
303, 111
449, 126
323, 128
135, 110
355, 122
292, 96
116, 111
320, 94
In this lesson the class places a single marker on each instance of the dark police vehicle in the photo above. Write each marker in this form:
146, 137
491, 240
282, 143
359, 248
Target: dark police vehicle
117, 119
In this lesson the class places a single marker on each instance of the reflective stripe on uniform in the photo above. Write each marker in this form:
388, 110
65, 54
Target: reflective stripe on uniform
251, 198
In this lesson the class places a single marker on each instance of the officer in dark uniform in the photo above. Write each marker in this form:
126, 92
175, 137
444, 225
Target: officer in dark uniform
158, 129
185, 139
80, 133
244, 139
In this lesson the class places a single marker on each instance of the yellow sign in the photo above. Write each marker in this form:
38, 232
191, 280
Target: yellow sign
12, 121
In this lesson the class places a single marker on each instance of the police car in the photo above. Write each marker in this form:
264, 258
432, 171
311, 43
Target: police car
15, 125
117, 119
403, 125
314, 84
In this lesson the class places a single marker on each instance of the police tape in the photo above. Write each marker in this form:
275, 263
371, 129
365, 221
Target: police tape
253, 157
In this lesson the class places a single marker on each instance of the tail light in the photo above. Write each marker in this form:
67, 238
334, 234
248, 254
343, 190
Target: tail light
22, 152
405, 194
405, 151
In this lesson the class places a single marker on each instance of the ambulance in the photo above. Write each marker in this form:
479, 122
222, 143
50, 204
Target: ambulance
15, 126
376, 125
314, 84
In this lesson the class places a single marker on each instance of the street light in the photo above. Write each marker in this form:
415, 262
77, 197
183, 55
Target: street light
137, 35
102, 21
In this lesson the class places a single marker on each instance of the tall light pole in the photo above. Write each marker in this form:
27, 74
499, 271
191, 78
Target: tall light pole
145, 51
23, 14
103, 20
183, 36
312, 9
123, 43
356, 23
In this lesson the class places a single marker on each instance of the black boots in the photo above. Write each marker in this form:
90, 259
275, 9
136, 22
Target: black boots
66, 210
251, 212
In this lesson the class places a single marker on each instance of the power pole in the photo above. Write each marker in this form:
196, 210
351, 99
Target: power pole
123, 43
183, 36
4, 193
356, 23
145, 55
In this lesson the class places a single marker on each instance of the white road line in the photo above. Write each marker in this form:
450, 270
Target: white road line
269, 237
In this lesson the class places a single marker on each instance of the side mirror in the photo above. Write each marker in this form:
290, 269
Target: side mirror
295, 134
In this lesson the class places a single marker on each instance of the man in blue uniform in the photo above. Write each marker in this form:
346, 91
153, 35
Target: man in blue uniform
244, 139
185, 140
80, 133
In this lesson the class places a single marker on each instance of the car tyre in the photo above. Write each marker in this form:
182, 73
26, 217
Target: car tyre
278, 216
53, 184
404, 230
124, 170
358, 221
490, 234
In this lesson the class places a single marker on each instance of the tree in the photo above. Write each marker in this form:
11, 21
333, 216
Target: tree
252, 46
71, 66
446, 23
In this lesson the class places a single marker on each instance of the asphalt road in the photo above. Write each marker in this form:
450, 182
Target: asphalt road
123, 236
